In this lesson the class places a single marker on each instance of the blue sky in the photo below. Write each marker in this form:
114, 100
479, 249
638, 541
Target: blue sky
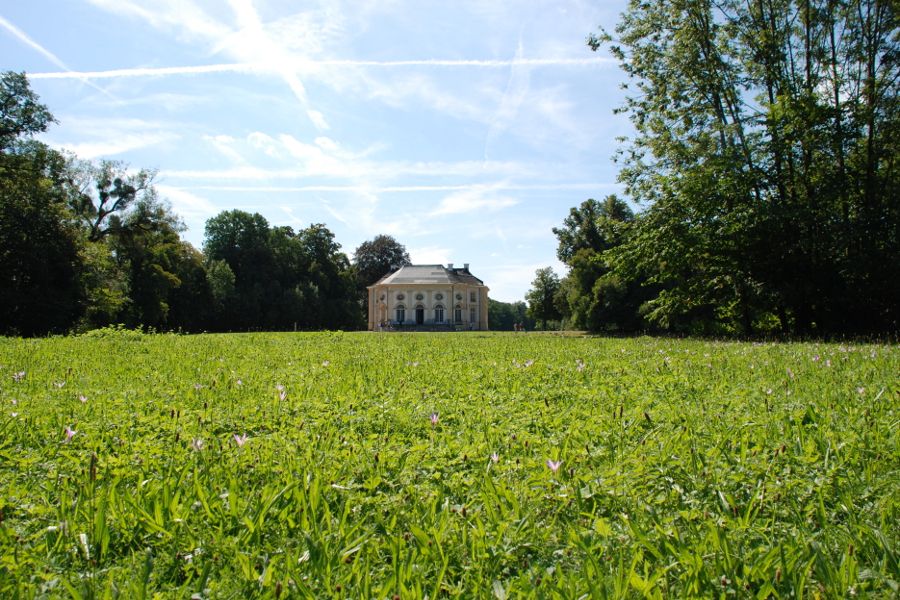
464, 129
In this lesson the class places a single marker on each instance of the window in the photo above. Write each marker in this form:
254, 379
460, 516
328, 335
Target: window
472, 297
438, 314
471, 315
401, 313
457, 314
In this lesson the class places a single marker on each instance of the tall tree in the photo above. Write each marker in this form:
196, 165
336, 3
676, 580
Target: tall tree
21, 112
377, 257
541, 297
765, 152
591, 296
39, 245
372, 260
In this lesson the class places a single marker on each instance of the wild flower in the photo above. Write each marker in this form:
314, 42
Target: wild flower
240, 440
82, 398
554, 464
434, 419
579, 364
239, 383
17, 377
282, 395
197, 444
14, 414
529, 362
70, 433
198, 386
279, 387
860, 390
60, 384
495, 458
325, 363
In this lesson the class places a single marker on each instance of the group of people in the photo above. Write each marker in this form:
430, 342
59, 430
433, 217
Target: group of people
519, 327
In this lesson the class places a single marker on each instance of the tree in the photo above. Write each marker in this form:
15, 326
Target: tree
765, 152
21, 113
106, 192
373, 260
541, 297
592, 297
39, 246
376, 258
504, 315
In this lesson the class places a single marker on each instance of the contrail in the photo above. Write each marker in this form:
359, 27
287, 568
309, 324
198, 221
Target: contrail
311, 64
26, 39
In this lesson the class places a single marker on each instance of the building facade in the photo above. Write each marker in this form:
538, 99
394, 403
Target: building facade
430, 297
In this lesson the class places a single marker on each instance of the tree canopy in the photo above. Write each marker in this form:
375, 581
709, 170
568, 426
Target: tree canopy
764, 156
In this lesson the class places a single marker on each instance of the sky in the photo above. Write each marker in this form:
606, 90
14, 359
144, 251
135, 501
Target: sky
465, 129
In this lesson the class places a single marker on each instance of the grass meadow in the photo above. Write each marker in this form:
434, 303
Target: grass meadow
357, 465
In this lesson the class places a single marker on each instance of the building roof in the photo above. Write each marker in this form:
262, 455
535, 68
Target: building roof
429, 274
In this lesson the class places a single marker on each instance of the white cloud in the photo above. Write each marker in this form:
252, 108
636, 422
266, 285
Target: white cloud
193, 209
224, 144
109, 137
474, 199
506, 280
430, 255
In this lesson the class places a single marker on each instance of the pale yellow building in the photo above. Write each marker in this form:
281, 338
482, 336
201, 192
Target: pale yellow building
429, 297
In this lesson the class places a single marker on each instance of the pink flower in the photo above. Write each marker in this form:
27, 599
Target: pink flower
579, 365
240, 440
554, 465
279, 387
434, 419
70, 433
239, 383
60, 384
495, 458
282, 394
528, 363
197, 444
82, 398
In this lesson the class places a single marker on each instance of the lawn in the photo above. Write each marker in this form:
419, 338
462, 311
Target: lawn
361, 465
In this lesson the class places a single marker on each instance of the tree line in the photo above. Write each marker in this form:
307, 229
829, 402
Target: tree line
764, 159
85, 245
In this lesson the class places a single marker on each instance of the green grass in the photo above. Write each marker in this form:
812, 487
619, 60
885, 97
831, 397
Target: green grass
689, 468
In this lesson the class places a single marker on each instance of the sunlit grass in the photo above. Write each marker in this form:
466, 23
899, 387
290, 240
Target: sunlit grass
365, 465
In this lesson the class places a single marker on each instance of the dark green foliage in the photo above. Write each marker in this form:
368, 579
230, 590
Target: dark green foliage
376, 258
765, 152
542, 298
21, 114
503, 316
274, 278
39, 245
592, 297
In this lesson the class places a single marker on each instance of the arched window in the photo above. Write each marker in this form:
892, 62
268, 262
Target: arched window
457, 314
401, 313
439, 314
